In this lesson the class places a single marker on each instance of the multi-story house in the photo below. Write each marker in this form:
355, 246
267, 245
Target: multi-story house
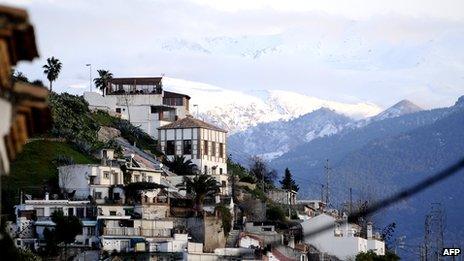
336, 236
202, 143
93, 180
142, 101
34, 216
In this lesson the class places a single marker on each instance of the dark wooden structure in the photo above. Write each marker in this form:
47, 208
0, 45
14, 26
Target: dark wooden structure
30, 114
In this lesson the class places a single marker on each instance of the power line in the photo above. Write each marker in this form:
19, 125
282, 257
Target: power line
396, 197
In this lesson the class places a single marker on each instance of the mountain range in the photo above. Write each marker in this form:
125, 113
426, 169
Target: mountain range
237, 111
272, 139
375, 153
383, 157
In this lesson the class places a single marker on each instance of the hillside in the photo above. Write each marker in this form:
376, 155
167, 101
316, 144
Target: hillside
34, 171
36, 168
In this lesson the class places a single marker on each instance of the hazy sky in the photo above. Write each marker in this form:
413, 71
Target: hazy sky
349, 51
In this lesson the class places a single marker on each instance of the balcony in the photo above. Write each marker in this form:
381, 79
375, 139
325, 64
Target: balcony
136, 231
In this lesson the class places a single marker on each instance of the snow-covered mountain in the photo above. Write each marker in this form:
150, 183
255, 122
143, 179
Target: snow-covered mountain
237, 111
401, 108
272, 139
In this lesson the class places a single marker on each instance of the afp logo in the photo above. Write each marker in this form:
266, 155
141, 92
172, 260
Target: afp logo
451, 251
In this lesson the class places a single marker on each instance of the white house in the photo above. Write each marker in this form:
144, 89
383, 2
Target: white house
142, 101
202, 143
90, 180
338, 237
42, 210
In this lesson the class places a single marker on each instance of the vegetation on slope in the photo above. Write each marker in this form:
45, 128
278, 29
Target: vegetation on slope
36, 169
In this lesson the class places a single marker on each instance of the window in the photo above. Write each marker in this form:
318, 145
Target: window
220, 171
91, 231
98, 195
80, 212
137, 178
221, 150
206, 170
55, 209
223, 184
106, 174
70, 211
39, 212
118, 110
213, 149
187, 147
205, 147
150, 179
112, 213
170, 147
116, 196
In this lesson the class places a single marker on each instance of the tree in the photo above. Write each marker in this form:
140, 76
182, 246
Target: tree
200, 187
18, 76
102, 81
387, 235
66, 228
260, 170
372, 256
38, 83
180, 165
52, 69
288, 182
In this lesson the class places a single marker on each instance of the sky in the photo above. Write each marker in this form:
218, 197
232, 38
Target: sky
345, 51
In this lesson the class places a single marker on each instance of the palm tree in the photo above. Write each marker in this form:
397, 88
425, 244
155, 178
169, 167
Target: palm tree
200, 187
52, 70
180, 165
102, 81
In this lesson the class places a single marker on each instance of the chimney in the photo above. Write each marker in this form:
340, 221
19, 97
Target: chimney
369, 230
47, 196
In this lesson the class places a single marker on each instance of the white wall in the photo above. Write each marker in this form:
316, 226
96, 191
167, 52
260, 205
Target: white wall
137, 107
77, 177
342, 246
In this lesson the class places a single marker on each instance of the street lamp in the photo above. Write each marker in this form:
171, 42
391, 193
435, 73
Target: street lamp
90, 76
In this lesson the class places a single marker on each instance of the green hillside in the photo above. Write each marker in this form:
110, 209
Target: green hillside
36, 168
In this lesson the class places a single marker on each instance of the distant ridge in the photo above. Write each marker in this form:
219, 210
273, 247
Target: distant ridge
401, 108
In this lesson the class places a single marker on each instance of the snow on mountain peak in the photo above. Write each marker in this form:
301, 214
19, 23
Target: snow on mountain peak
236, 111
401, 108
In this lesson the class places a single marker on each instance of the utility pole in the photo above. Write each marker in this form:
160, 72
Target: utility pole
434, 233
351, 201
327, 178
322, 193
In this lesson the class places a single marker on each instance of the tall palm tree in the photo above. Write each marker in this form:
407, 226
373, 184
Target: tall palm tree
180, 165
52, 69
200, 187
102, 81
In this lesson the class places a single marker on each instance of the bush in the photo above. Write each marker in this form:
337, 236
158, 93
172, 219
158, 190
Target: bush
63, 160
275, 213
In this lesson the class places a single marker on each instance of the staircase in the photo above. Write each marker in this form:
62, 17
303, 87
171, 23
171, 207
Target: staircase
232, 239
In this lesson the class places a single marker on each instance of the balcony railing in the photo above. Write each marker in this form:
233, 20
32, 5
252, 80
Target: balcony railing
136, 231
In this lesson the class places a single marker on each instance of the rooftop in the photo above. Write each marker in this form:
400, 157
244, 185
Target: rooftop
190, 122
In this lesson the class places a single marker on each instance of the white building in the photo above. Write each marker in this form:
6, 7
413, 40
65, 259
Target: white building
340, 238
202, 143
90, 180
142, 101
42, 211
